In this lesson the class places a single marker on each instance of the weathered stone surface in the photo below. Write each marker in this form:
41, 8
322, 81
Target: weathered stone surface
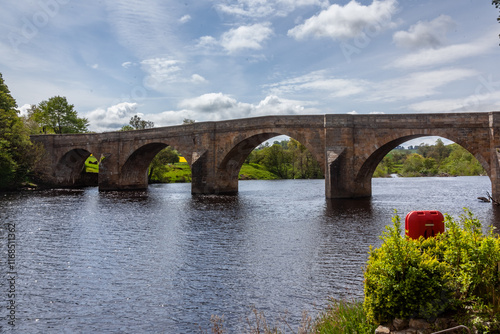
419, 324
400, 324
382, 330
347, 147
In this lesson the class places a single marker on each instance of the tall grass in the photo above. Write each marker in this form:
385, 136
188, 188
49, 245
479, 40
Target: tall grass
342, 317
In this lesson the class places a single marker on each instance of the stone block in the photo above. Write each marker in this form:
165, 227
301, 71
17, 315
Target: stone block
419, 324
382, 330
400, 324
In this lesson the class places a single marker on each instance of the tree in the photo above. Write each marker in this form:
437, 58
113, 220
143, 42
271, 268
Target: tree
188, 121
165, 156
56, 115
127, 128
139, 124
276, 160
17, 153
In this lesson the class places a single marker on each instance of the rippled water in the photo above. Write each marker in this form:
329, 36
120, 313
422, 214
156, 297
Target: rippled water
163, 260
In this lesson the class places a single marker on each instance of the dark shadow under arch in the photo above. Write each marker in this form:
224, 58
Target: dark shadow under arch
70, 170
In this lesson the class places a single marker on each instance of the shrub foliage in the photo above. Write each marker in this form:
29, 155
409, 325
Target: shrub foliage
457, 271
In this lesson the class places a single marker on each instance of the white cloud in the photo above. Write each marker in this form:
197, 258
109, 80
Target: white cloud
185, 19
218, 106
246, 37
447, 54
249, 37
265, 8
485, 102
112, 118
127, 64
318, 81
160, 70
273, 105
163, 71
23, 110
425, 34
210, 103
416, 85
349, 21
196, 78
146, 29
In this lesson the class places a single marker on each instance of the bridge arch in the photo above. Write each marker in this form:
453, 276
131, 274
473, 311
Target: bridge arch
134, 172
71, 167
375, 152
230, 164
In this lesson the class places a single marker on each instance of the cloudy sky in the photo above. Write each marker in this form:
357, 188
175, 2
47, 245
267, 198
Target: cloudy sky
213, 60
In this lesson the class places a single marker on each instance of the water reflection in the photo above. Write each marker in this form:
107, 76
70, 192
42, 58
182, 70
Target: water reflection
343, 207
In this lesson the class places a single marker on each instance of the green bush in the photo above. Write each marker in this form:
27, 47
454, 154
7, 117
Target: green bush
457, 271
402, 281
344, 317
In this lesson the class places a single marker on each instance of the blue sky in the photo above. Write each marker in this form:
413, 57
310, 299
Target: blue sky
215, 60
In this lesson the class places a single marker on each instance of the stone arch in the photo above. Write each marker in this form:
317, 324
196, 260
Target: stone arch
134, 170
374, 156
70, 168
230, 164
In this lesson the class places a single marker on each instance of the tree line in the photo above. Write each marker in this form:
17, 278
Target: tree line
22, 161
287, 159
430, 160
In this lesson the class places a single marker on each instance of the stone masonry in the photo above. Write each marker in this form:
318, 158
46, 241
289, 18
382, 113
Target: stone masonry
347, 147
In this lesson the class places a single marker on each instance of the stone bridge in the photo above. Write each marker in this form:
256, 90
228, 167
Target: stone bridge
347, 147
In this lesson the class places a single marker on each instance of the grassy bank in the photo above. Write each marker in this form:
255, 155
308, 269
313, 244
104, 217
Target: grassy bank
180, 172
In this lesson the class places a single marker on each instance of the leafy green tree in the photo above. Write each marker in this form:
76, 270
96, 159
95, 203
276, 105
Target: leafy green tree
139, 124
56, 115
166, 156
461, 162
276, 160
127, 128
188, 121
286, 159
17, 153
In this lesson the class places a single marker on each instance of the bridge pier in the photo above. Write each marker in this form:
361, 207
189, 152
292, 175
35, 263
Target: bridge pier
340, 173
494, 124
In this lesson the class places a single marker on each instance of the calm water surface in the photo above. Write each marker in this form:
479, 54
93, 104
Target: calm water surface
163, 260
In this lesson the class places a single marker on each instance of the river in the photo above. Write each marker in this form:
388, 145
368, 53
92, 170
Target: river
163, 260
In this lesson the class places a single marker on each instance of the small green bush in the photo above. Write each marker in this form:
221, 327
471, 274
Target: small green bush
344, 317
457, 271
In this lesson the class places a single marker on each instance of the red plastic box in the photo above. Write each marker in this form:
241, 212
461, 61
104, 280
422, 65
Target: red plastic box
424, 223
